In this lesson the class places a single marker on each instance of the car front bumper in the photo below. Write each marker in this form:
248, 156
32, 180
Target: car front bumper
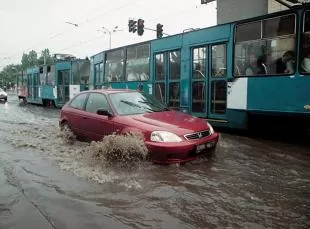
5, 97
179, 152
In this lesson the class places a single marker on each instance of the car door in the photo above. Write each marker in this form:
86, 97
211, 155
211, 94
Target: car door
97, 126
76, 114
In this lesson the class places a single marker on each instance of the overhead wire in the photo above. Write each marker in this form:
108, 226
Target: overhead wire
86, 21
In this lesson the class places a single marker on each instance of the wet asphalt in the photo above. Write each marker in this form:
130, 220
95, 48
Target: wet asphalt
47, 183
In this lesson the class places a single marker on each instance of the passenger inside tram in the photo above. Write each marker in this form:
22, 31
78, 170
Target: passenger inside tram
286, 63
305, 64
251, 68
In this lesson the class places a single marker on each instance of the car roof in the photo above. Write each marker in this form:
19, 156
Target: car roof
111, 91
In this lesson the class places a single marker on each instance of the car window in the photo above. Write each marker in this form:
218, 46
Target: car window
128, 103
79, 101
96, 101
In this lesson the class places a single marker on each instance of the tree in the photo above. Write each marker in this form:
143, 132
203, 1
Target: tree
45, 57
30, 59
25, 61
8, 75
33, 58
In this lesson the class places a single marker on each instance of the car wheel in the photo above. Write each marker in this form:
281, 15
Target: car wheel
65, 126
67, 133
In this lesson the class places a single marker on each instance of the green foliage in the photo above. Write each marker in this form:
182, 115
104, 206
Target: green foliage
30, 59
45, 57
9, 73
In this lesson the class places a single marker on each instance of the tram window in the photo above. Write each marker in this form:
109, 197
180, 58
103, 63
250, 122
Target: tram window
198, 97
218, 60
96, 101
42, 78
248, 31
174, 95
159, 65
60, 77
273, 54
218, 96
79, 101
305, 50
114, 66
67, 93
199, 60
97, 73
279, 26
138, 63
66, 77
36, 79
307, 22
29, 79
160, 92
101, 73
84, 67
75, 73
175, 64
305, 58
51, 76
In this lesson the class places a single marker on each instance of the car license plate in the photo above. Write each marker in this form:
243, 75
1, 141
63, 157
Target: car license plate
210, 144
202, 147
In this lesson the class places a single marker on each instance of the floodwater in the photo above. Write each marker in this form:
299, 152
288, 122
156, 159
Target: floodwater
47, 183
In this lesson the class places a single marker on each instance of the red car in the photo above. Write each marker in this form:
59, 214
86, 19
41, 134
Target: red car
170, 136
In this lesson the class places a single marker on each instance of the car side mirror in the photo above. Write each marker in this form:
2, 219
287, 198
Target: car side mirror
105, 112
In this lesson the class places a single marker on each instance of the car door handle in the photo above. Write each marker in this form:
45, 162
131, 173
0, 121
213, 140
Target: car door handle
84, 117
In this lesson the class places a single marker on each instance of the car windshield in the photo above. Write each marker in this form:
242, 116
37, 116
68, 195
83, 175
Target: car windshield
1, 90
129, 103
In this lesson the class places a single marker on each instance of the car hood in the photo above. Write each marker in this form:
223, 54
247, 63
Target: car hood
3, 93
173, 121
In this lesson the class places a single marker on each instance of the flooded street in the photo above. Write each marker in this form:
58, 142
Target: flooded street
48, 183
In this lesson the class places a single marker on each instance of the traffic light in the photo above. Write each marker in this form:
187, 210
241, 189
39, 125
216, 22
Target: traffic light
132, 25
159, 30
140, 27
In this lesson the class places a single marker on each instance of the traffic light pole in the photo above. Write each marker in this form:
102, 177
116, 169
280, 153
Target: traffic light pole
156, 31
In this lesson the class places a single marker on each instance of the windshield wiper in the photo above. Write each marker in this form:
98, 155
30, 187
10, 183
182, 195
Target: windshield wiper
155, 105
130, 103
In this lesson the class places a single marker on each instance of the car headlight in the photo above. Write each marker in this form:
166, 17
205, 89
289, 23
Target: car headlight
164, 136
211, 128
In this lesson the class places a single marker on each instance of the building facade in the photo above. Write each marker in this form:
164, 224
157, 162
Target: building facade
233, 10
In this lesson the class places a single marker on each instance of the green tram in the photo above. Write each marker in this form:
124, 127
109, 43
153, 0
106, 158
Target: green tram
53, 85
233, 74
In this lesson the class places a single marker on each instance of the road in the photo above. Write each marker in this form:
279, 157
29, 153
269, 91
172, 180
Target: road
48, 183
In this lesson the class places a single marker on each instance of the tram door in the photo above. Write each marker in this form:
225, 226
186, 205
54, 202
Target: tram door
63, 81
35, 86
29, 86
167, 78
209, 81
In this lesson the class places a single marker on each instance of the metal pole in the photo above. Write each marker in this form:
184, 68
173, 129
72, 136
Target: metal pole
110, 39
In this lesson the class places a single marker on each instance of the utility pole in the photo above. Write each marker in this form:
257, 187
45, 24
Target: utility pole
106, 30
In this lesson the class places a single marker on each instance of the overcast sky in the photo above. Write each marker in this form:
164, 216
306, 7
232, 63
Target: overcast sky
39, 24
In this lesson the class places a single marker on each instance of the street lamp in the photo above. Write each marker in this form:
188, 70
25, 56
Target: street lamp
115, 29
71, 23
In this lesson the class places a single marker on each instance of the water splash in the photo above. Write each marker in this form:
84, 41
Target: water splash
117, 151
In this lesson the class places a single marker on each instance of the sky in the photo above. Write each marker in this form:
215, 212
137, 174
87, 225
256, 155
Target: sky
38, 24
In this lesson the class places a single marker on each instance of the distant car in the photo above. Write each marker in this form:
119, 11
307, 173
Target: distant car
3, 95
170, 136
